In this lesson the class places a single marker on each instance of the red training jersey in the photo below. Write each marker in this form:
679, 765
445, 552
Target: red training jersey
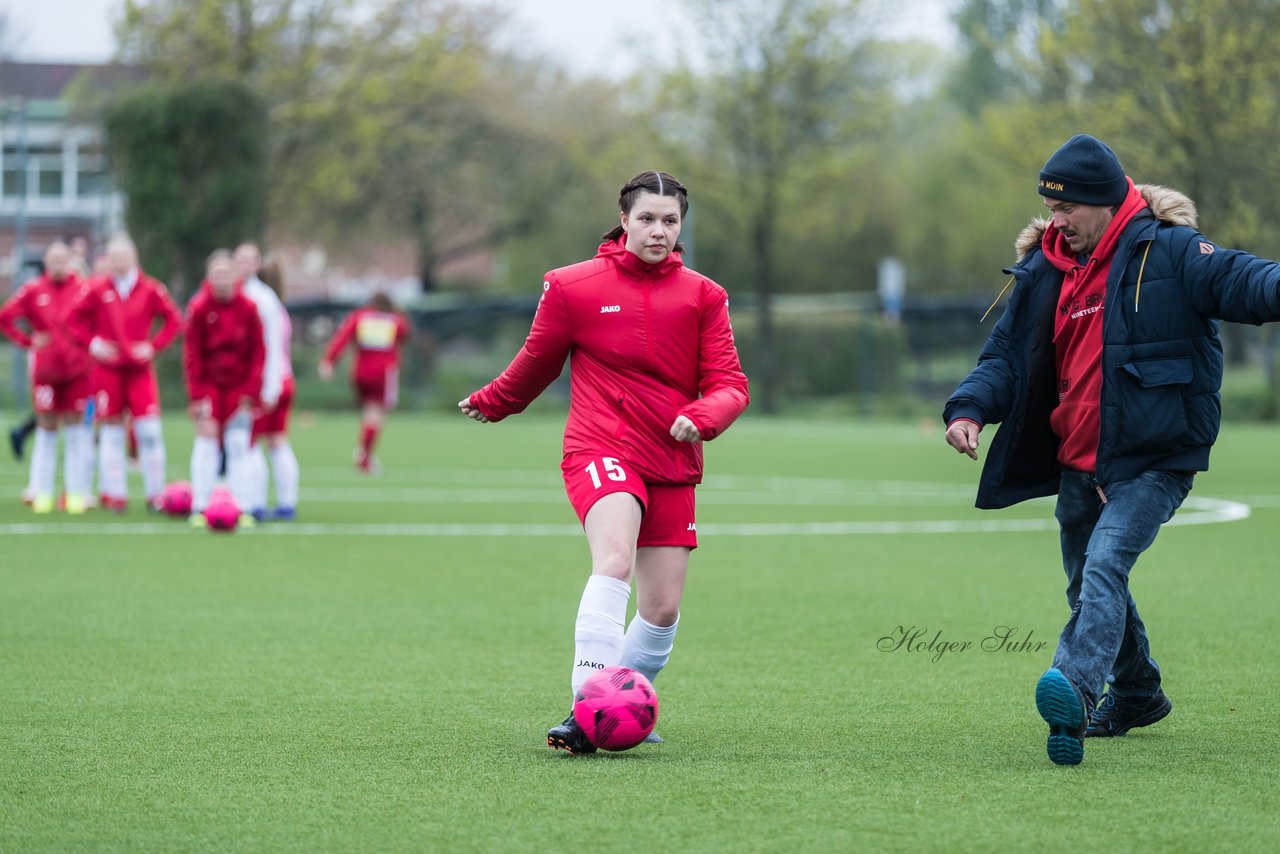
378, 336
46, 304
125, 321
223, 349
646, 343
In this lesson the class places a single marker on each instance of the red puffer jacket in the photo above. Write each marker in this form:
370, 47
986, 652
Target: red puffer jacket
46, 305
223, 349
125, 321
646, 343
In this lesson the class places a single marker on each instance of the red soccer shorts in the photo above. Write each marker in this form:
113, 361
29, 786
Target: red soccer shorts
68, 397
381, 388
668, 510
277, 420
118, 389
221, 404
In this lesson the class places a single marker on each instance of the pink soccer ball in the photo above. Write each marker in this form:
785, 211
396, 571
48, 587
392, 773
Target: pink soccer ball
176, 499
222, 514
616, 708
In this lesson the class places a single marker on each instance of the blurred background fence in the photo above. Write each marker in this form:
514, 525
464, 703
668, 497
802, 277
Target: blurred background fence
835, 354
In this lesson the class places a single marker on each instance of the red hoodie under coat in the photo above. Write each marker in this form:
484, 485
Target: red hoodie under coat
1077, 337
646, 343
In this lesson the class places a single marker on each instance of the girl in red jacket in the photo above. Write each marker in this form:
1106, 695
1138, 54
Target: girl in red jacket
379, 333
59, 377
653, 373
222, 357
125, 320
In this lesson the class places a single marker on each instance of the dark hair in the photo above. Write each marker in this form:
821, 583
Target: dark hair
657, 183
272, 276
381, 302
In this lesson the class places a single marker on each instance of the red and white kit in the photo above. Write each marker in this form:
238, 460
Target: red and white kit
646, 343
378, 336
277, 369
59, 372
277, 403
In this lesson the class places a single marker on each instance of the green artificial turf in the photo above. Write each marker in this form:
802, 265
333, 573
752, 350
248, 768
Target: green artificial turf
370, 678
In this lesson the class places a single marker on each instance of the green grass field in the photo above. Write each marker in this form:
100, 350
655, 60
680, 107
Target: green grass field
380, 675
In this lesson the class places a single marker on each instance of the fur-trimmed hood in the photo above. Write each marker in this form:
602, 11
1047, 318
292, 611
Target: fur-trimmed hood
1167, 205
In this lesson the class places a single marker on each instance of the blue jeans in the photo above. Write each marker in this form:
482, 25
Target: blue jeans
1100, 544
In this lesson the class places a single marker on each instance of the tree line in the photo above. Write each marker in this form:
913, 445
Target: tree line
812, 146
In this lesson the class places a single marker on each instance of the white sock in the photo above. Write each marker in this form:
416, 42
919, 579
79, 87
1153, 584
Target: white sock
204, 472
255, 464
597, 633
74, 441
89, 458
284, 470
647, 647
111, 474
44, 462
235, 441
151, 455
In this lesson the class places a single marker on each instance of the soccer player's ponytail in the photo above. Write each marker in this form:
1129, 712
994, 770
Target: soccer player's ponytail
658, 183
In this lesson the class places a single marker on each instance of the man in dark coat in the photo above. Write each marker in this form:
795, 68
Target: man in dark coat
1104, 373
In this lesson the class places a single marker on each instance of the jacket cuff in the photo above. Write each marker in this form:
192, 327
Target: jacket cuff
965, 411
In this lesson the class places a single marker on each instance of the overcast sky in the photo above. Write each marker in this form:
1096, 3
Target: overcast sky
579, 33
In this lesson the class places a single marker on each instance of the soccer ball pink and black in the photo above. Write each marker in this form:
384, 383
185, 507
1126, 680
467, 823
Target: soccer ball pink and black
176, 499
616, 708
222, 514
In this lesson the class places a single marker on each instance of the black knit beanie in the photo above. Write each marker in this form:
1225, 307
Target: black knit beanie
1086, 171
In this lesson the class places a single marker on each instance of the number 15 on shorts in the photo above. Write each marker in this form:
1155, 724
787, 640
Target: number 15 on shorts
612, 470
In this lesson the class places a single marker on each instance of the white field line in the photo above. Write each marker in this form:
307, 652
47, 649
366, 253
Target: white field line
1203, 511
706, 496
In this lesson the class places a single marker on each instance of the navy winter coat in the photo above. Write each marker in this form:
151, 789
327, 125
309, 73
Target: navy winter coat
1161, 355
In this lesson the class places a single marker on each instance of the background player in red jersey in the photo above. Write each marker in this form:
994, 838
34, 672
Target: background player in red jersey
379, 333
222, 357
271, 425
60, 384
654, 373
117, 322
